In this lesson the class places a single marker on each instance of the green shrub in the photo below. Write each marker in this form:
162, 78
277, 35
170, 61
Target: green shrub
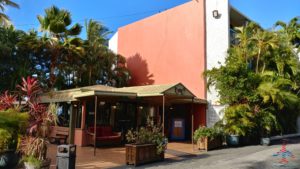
32, 161
151, 134
210, 133
12, 124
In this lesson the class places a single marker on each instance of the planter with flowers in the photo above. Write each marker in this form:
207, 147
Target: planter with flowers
147, 144
208, 138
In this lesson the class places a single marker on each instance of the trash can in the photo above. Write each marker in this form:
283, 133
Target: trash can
66, 156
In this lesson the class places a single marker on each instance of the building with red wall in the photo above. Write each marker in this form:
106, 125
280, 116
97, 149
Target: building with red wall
178, 45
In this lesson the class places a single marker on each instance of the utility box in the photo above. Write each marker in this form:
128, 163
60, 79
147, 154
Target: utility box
66, 157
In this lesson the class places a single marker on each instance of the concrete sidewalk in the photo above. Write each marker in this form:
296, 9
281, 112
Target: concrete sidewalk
249, 157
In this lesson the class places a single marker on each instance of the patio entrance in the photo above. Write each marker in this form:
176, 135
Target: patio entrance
102, 114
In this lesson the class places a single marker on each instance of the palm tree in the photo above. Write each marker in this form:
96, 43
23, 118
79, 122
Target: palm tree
55, 25
95, 47
278, 90
264, 42
290, 30
243, 35
4, 19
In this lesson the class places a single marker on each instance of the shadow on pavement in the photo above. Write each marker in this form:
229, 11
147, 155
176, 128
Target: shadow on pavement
166, 162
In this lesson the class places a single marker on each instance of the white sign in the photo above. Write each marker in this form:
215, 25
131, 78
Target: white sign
178, 124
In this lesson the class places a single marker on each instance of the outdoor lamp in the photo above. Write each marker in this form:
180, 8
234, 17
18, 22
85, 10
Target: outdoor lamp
141, 107
114, 107
216, 14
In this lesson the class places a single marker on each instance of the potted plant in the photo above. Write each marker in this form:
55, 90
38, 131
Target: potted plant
147, 144
238, 121
208, 138
35, 153
12, 124
34, 144
267, 121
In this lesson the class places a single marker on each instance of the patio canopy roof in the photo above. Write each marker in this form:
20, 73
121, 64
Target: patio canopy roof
170, 90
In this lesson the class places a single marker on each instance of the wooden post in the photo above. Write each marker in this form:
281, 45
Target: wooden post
192, 110
71, 125
163, 115
83, 117
95, 124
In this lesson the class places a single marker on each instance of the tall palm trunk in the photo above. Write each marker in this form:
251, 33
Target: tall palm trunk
257, 61
90, 75
53, 64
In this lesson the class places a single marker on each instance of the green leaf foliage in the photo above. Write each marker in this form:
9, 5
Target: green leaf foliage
57, 56
259, 81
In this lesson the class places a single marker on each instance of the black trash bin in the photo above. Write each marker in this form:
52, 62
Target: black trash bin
66, 156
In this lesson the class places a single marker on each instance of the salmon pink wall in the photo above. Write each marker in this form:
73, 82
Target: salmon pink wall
80, 137
199, 115
168, 47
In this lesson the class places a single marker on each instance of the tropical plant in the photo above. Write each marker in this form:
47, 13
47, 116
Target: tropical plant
95, 46
101, 65
7, 100
276, 90
205, 132
239, 120
55, 25
34, 144
12, 125
151, 134
32, 160
290, 30
58, 57
15, 62
265, 41
7, 141
30, 88
259, 81
267, 122
4, 19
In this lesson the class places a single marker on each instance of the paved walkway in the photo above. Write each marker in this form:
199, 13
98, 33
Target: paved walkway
182, 156
110, 157
250, 157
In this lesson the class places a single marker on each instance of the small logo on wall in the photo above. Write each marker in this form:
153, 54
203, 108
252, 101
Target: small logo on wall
179, 90
285, 156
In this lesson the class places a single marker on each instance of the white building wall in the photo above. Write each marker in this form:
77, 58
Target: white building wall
113, 43
217, 44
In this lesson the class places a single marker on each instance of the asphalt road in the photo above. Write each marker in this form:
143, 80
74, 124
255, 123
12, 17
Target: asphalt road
249, 157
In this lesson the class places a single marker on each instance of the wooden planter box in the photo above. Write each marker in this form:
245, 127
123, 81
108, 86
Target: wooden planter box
137, 154
208, 144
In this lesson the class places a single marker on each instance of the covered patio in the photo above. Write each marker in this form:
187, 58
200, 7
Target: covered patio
172, 106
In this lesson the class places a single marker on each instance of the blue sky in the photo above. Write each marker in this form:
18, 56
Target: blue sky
116, 13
